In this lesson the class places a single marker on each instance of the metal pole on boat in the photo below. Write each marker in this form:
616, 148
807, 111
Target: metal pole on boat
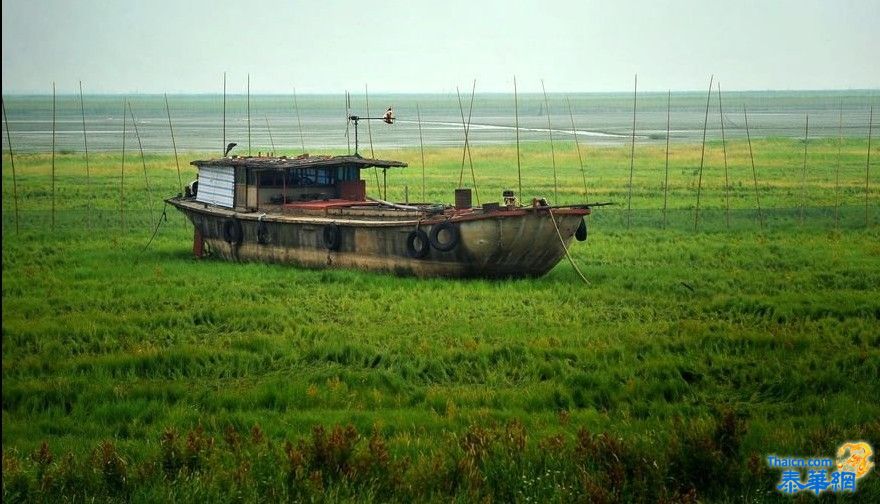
702, 156
82, 108
249, 112
632, 156
422, 148
552, 151
754, 172
516, 127
223, 147
724, 150
12, 162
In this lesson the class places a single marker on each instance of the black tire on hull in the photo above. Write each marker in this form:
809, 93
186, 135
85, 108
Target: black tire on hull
332, 237
417, 244
232, 232
451, 230
581, 233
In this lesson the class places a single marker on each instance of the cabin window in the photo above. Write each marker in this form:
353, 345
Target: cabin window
298, 178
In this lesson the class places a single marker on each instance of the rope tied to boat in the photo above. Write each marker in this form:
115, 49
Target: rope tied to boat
162, 218
565, 248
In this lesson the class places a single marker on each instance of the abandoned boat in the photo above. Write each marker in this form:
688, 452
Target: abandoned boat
313, 211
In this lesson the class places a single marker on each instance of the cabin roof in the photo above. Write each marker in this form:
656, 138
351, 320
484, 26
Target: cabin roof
282, 163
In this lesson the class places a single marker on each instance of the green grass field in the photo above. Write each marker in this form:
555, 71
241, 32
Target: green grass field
144, 374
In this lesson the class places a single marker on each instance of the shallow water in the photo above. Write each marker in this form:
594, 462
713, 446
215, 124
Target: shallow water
600, 118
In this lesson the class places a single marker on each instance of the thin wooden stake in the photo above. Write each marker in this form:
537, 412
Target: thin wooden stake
302, 139
82, 108
666, 181
804, 172
577, 145
467, 146
53, 155
269, 129
249, 112
516, 116
143, 160
122, 172
724, 150
223, 147
754, 172
837, 170
702, 156
868, 162
370, 135
632, 156
552, 150
12, 162
173, 143
422, 148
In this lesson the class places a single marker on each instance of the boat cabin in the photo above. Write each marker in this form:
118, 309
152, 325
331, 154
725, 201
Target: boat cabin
275, 183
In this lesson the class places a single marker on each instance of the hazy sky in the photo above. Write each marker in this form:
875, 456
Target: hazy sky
411, 46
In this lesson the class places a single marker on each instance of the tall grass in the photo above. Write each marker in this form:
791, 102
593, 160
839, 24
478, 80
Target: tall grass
132, 374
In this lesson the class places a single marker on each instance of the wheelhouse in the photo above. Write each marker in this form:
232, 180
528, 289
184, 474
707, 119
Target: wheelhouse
275, 183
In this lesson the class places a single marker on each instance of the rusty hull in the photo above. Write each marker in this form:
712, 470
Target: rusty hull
502, 243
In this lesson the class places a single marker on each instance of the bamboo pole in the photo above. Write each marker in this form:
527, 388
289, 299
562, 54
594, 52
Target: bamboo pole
868, 162
249, 112
632, 156
577, 146
370, 135
804, 172
467, 146
552, 150
702, 156
302, 138
754, 172
122, 172
724, 150
422, 148
837, 170
82, 108
223, 147
269, 129
143, 161
174, 143
53, 155
11, 162
516, 116
666, 181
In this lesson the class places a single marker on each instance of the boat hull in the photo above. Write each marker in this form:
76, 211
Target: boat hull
504, 243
